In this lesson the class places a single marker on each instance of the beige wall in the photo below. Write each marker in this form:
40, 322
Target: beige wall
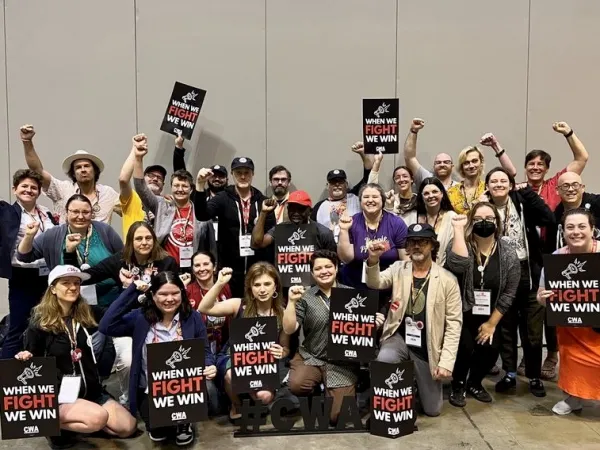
285, 78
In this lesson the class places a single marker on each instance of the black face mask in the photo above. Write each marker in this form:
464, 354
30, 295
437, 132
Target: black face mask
484, 228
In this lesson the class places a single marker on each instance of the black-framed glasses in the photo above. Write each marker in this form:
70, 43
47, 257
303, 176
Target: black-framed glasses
566, 187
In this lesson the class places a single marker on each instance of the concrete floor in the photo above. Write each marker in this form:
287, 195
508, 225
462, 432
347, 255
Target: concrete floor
520, 421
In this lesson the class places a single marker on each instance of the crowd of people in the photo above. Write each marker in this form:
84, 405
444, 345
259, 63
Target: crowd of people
455, 254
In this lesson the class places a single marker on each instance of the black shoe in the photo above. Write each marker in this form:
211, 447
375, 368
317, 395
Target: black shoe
184, 435
60, 442
507, 385
480, 394
458, 396
158, 434
536, 387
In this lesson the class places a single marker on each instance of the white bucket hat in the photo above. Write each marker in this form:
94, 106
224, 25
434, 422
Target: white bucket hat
66, 271
81, 154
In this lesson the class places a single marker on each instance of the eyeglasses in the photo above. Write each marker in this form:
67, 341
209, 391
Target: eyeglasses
279, 180
77, 213
566, 187
419, 242
154, 176
439, 163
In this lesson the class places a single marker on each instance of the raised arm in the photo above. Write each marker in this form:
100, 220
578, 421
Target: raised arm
580, 154
295, 303
489, 140
367, 161
125, 190
345, 249
204, 208
31, 157
375, 278
410, 145
116, 322
374, 174
209, 305
149, 200
260, 239
179, 155
25, 250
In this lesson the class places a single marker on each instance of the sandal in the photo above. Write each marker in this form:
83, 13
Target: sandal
549, 369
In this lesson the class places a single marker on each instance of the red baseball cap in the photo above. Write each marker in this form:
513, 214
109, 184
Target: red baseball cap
301, 198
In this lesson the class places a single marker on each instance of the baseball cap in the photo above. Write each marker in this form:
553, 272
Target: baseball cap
241, 163
301, 198
336, 174
421, 231
220, 169
156, 168
66, 271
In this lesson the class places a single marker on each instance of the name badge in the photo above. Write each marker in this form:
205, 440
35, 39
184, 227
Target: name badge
89, 294
364, 272
216, 228
43, 271
413, 330
245, 249
483, 302
185, 256
69, 389
336, 233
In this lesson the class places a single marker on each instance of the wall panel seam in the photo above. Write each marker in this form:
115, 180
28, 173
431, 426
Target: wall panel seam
8, 165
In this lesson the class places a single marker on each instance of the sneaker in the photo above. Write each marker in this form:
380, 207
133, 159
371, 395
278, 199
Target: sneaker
158, 435
458, 396
536, 387
567, 406
480, 394
507, 385
184, 434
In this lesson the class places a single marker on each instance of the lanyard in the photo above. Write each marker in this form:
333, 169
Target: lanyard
244, 219
187, 222
178, 337
376, 228
83, 258
435, 223
39, 214
281, 208
96, 204
506, 208
466, 203
413, 297
75, 351
481, 267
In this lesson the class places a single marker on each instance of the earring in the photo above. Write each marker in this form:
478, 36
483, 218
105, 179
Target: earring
275, 294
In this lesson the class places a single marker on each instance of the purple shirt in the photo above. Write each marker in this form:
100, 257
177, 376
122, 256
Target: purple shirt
392, 230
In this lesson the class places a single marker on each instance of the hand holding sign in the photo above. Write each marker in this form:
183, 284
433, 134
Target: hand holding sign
179, 141
224, 276
32, 229
268, 205
295, 293
561, 127
210, 372
379, 320
543, 296
27, 132
72, 241
23, 356
276, 350
185, 278
416, 125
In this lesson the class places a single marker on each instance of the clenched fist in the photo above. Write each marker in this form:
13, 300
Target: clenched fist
72, 241
204, 175
32, 229
416, 125
295, 293
489, 140
459, 221
224, 275
561, 127
140, 145
358, 147
27, 132
345, 222
268, 205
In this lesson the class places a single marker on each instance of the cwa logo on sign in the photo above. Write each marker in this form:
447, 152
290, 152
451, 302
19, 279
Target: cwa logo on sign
255, 384
296, 280
350, 353
33, 429
393, 431
29, 373
181, 415
178, 355
355, 302
255, 331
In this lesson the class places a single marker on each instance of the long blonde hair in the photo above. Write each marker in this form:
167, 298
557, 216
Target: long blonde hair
462, 157
47, 315
250, 307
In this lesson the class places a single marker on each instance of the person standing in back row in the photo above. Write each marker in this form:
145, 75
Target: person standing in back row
238, 207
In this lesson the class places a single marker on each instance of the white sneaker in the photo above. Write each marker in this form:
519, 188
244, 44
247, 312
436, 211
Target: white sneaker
567, 406
185, 434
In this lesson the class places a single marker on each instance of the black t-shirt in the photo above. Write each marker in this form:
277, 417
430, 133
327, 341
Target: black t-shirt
491, 276
416, 310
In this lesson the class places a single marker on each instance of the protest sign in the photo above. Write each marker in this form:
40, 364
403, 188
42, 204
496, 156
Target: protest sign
294, 245
574, 280
392, 401
183, 110
352, 326
253, 367
380, 125
29, 398
176, 383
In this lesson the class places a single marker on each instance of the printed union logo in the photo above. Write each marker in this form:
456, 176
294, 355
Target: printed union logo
255, 331
296, 279
29, 373
178, 356
575, 320
191, 96
297, 236
393, 431
350, 353
383, 109
256, 384
394, 378
380, 149
181, 415
573, 269
31, 429
356, 302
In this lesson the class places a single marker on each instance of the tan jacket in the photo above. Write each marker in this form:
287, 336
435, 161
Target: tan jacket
443, 314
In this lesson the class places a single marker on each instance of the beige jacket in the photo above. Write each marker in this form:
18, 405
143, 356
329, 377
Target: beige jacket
444, 308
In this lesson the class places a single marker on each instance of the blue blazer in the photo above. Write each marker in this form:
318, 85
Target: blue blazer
10, 222
119, 321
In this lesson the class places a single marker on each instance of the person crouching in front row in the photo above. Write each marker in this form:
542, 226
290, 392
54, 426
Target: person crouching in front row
166, 315
61, 326
425, 315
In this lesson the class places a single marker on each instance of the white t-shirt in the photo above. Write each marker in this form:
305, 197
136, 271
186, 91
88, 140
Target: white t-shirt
41, 216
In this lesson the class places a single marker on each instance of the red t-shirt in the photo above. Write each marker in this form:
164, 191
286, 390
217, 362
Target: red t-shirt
183, 220
548, 191
217, 328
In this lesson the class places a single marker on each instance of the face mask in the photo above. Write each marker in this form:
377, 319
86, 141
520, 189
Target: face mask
484, 228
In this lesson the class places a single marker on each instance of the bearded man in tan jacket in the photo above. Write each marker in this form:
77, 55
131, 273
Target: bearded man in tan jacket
425, 316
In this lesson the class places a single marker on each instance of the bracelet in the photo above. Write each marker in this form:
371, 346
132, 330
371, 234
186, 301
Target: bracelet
500, 153
569, 134
413, 131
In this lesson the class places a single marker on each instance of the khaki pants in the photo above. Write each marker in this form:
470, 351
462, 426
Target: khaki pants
303, 380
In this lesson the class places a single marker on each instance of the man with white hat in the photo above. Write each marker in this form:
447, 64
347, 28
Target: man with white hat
83, 169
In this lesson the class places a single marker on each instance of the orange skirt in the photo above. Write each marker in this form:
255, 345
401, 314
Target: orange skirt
579, 369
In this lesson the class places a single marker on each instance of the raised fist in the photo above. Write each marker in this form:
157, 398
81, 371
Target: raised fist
268, 205
295, 293
561, 127
345, 222
224, 275
489, 140
204, 175
358, 147
140, 145
32, 228
72, 241
376, 249
417, 124
459, 221
27, 132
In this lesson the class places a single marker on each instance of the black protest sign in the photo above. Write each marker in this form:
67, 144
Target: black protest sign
294, 245
29, 398
574, 280
183, 110
380, 125
176, 382
253, 366
392, 401
352, 326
